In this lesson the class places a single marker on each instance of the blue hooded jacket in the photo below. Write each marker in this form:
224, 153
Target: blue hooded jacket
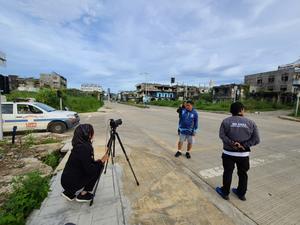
188, 122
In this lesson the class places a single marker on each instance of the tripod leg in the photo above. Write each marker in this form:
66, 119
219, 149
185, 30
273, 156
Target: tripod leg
113, 149
95, 189
109, 144
123, 149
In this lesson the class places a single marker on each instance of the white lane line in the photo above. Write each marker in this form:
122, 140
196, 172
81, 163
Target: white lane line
218, 171
296, 150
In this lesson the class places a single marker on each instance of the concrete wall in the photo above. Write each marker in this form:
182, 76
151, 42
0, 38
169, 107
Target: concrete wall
271, 81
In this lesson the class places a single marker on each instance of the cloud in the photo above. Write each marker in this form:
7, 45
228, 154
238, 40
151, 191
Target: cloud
111, 42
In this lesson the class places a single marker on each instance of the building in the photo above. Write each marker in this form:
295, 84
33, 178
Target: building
91, 88
53, 80
280, 80
155, 91
126, 96
23, 83
228, 92
163, 91
189, 92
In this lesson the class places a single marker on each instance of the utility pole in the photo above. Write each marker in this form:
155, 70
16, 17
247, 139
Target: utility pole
2, 63
235, 88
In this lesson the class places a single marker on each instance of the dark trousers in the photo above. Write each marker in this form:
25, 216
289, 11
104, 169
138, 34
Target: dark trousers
242, 164
87, 183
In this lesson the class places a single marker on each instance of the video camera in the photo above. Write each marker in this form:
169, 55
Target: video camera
115, 123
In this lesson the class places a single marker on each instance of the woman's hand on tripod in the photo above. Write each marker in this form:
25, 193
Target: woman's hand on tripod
104, 158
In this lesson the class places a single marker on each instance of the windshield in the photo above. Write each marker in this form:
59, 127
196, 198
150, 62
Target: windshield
45, 107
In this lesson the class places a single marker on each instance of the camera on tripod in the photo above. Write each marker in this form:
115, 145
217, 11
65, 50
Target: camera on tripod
111, 149
115, 123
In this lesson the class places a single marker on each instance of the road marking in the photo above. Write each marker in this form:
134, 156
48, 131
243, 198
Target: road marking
218, 171
296, 150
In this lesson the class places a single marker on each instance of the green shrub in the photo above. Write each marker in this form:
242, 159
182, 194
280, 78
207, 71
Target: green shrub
75, 100
30, 140
52, 159
204, 104
49, 141
28, 193
83, 103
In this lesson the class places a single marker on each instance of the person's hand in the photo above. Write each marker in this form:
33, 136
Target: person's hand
238, 145
104, 158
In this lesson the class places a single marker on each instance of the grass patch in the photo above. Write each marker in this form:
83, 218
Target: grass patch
52, 159
83, 104
49, 141
250, 104
28, 193
75, 100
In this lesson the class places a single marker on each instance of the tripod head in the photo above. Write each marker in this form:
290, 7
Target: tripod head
115, 123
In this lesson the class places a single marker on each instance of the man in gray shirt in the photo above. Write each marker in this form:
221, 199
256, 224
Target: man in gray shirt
238, 135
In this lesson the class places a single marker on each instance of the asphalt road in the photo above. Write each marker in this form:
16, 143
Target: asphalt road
273, 195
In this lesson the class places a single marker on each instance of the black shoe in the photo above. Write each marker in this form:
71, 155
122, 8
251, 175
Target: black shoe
69, 197
178, 153
221, 193
84, 198
188, 155
241, 197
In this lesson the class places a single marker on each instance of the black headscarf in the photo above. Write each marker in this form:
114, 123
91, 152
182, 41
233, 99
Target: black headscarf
83, 134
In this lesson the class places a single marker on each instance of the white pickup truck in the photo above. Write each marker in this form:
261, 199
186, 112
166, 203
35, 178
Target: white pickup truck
36, 116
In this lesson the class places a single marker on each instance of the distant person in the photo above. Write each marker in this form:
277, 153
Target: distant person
238, 135
179, 111
81, 170
188, 125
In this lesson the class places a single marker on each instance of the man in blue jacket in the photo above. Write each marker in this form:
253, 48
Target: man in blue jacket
188, 125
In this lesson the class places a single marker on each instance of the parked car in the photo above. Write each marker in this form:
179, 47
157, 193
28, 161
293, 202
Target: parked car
36, 116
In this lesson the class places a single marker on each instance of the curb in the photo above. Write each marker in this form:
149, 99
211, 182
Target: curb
289, 118
65, 149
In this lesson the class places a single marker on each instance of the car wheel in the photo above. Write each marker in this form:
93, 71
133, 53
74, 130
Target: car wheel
57, 127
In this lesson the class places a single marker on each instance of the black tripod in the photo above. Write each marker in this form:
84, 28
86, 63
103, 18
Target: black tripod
111, 150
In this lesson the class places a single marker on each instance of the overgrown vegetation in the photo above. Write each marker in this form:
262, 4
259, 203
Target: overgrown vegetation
52, 159
30, 140
73, 99
250, 104
28, 193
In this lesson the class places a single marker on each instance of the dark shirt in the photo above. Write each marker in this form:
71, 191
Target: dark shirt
238, 129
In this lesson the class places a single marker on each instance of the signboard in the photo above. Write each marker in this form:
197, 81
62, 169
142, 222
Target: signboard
4, 84
172, 80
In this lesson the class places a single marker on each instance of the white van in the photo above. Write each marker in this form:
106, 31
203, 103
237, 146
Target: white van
36, 116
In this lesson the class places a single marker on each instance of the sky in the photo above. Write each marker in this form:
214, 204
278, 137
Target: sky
119, 43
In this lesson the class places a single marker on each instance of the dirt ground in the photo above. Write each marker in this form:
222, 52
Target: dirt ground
26, 155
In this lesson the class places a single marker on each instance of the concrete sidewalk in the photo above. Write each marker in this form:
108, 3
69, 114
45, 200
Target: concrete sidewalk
108, 207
